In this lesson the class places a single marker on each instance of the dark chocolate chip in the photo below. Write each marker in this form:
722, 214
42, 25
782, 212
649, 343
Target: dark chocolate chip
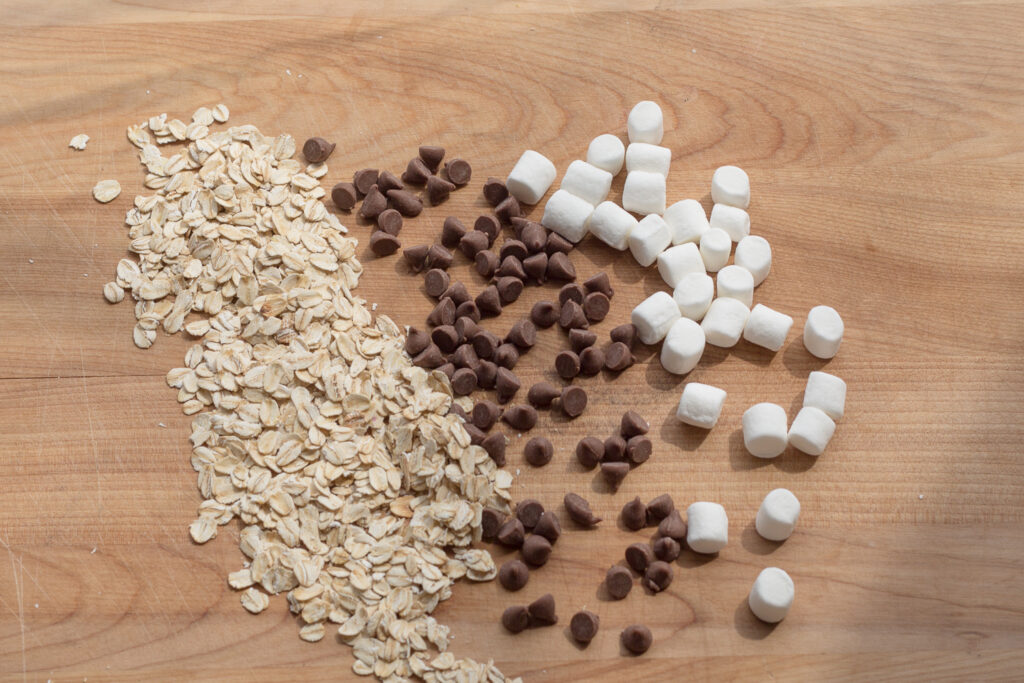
467, 328
416, 256
465, 356
443, 313
485, 414
488, 301
390, 221
457, 292
490, 521
436, 281
416, 341
591, 361
509, 289
528, 511
599, 283
574, 401
506, 356
468, 309
560, 267
431, 156
537, 550
667, 549
614, 449
536, 266
429, 358
523, 334
542, 611
538, 451
458, 171
373, 204
344, 196
596, 306
383, 244
486, 262
617, 357
476, 436
579, 510
632, 424
639, 556
636, 638
572, 316
512, 267
515, 619
570, 292
511, 533
438, 190
544, 314
618, 582
520, 417
673, 526
506, 385
495, 447
455, 409
489, 226
446, 337
485, 343
317, 149
416, 173
406, 202
614, 472
556, 244
463, 382
583, 626
364, 180
634, 515
389, 181
513, 575
660, 508
625, 334
439, 257
581, 339
513, 248
486, 374
448, 369
548, 526
542, 394
567, 364
658, 575
589, 451
638, 449
494, 191
535, 237
508, 209
452, 231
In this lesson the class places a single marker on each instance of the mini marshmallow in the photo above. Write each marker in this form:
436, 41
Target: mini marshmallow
736, 282
700, 405
567, 214
715, 245
531, 177
823, 332
687, 220
825, 392
677, 262
612, 224
811, 430
649, 238
589, 183
778, 514
723, 323
707, 527
607, 152
765, 431
753, 253
730, 185
644, 192
736, 222
767, 327
654, 316
646, 123
641, 156
772, 595
693, 295
683, 347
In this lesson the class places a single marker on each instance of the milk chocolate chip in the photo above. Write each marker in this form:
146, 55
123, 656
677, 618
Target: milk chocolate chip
633, 424
485, 414
536, 266
542, 394
591, 361
511, 533
486, 262
436, 281
548, 526
614, 472
416, 173
636, 638
626, 334
639, 556
364, 180
443, 313
472, 242
560, 267
459, 171
666, 549
544, 314
507, 210
599, 283
638, 449
589, 451
490, 521
463, 382
439, 257
452, 231
494, 191
538, 451
542, 610
523, 334
495, 447
673, 526
389, 181
528, 511
583, 626
515, 619
596, 306
579, 510
344, 196
438, 190
556, 244
658, 575
634, 514
431, 156
574, 401
406, 202
513, 248
537, 549
513, 575
509, 289
506, 385
489, 226
506, 356
570, 292
317, 149
373, 204
614, 449
618, 357
660, 508
581, 339
511, 267
520, 417
446, 338
567, 364
416, 256
618, 582
416, 341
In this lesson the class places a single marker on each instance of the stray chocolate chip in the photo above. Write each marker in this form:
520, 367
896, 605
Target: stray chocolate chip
542, 394
571, 316
406, 202
660, 508
535, 267
528, 511
476, 437
658, 575
638, 449
344, 196
538, 451
495, 446
438, 190
589, 451
534, 237
509, 289
667, 549
494, 191
636, 638
389, 181
506, 356
520, 417
617, 357
625, 334
596, 306
485, 414
579, 510
364, 180
591, 361
511, 533
560, 267
383, 244
599, 282
446, 337
443, 313
555, 243
416, 341
567, 364
537, 550
508, 209
429, 358
436, 281
485, 343
614, 449
317, 149
459, 171
548, 526
486, 374
416, 173
512, 267
488, 301
452, 231
515, 619
634, 514
513, 248
570, 292
632, 424
390, 221
544, 314
439, 257
457, 292
523, 334
486, 262
574, 401
431, 156
463, 382
416, 256
583, 626
490, 521
513, 575
614, 472
639, 556
374, 203
581, 339
506, 385
489, 226
618, 582
673, 526
542, 610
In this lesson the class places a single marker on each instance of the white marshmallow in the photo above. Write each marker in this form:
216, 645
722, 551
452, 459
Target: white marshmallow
772, 595
654, 316
700, 405
767, 327
687, 220
607, 152
612, 224
707, 527
644, 192
683, 347
827, 393
715, 245
736, 282
753, 253
589, 183
724, 321
730, 185
823, 332
531, 177
765, 430
649, 238
778, 514
646, 123
693, 295
811, 430
734, 221
641, 156
677, 262
567, 214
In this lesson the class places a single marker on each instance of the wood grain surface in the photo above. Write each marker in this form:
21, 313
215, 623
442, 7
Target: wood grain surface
886, 153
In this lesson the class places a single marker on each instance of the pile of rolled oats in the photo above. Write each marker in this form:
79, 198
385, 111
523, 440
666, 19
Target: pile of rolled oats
340, 458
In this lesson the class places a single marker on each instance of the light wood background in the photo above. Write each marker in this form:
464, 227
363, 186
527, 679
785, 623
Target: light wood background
884, 143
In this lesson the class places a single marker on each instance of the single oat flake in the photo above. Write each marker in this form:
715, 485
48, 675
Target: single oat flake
79, 141
106, 191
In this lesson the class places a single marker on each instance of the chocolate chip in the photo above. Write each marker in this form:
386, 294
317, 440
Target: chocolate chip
614, 472
596, 306
512, 267
581, 339
488, 301
486, 262
658, 575
536, 550
463, 382
373, 204
406, 202
570, 292
506, 385
534, 237
429, 358
639, 556
513, 248
508, 209
544, 314
528, 511
446, 337
431, 156
634, 514
538, 451
618, 582
448, 369
542, 394
495, 446
589, 451
555, 243
465, 356
591, 361
364, 179
583, 626
513, 575
383, 244
617, 357
567, 364
625, 334
485, 343
486, 374
511, 533
523, 334
457, 292
574, 401
520, 417
466, 327
439, 257
548, 526
436, 281
660, 508
494, 191
536, 267
476, 437
389, 181
485, 414
509, 289
443, 313
667, 549
638, 449
515, 619
452, 231
673, 526
506, 356
490, 521
459, 171
344, 196
416, 341
636, 638
633, 423
455, 409
390, 221
416, 173
579, 510
542, 610
614, 449
416, 256
489, 226
317, 149
572, 316
438, 190
599, 282
468, 309
560, 267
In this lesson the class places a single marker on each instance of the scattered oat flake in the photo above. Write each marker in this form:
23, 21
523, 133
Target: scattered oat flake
79, 141
106, 191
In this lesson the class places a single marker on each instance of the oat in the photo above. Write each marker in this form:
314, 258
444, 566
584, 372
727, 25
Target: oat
79, 141
254, 601
106, 191
113, 292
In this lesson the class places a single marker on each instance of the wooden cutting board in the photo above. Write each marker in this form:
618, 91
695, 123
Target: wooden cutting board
886, 154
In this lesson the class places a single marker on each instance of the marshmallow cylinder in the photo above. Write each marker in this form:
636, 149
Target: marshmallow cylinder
707, 527
607, 152
531, 177
649, 238
736, 282
687, 221
736, 222
567, 214
641, 156
700, 405
693, 295
753, 253
677, 262
646, 123
772, 595
811, 430
654, 316
730, 185
823, 332
778, 514
715, 245
589, 183
765, 432
644, 192
612, 224
683, 347
825, 392
767, 327
723, 323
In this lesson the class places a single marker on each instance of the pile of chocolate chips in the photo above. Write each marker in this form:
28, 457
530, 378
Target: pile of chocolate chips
627, 448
